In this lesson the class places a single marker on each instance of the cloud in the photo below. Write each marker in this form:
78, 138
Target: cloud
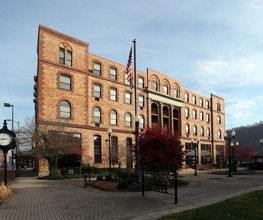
244, 104
233, 73
255, 4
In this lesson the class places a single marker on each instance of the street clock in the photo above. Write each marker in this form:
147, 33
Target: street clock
7, 138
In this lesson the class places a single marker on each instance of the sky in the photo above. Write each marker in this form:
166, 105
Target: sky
211, 46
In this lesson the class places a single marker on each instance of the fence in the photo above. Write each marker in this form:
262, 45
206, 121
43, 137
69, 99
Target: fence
160, 178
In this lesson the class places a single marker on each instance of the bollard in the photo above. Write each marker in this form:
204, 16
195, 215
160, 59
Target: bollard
85, 180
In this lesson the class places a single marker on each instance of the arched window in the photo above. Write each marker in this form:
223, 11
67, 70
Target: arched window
65, 109
97, 149
175, 114
195, 130
97, 115
128, 120
113, 117
141, 125
65, 54
208, 132
187, 129
165, 111
154, 109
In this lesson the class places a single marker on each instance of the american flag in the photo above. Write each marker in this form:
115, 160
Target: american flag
128, 69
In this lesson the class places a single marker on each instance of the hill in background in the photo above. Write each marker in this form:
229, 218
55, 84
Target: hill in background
249, 135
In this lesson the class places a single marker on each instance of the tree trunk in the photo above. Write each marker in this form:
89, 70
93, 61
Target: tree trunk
53, 165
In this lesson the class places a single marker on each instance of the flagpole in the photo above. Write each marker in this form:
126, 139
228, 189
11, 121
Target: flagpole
137, 120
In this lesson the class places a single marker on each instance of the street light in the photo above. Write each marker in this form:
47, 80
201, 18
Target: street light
109, 133
196, 148
137, 153
8, 105
261, 142
233, 134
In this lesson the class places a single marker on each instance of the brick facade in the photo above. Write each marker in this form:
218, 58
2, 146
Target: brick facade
79, 69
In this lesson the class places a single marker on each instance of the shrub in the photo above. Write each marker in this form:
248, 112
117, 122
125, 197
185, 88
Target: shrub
123, 185
99, 178
108, 178
125, 176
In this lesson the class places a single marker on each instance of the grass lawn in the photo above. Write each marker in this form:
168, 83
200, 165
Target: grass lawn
245, 207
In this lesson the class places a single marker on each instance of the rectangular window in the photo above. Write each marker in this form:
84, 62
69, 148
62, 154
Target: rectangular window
175, 93
97, 90
69, 58
113, 73
114, 150
126, 81
155, 86
129, 152
65, 81
141, 82
186, 97
165, 89
201, 116
113, 94
186, 112
61, 55
201, 102
194, 114
141, 101
218, 120
207, 117
97, 149
218, 107
207, 104
97, 69
127, 97
194, 100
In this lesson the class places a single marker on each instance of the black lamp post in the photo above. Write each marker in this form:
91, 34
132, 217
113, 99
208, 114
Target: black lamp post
234, 152
109, 133
8, 105
17, 145
137, 153
233, 134
196, 149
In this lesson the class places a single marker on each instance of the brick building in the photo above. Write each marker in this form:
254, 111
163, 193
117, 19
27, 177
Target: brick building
87, 94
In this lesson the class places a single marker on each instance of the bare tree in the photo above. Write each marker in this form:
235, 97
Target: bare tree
51, 142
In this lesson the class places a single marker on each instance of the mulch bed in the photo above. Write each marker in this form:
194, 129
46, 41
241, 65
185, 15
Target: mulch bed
105, 185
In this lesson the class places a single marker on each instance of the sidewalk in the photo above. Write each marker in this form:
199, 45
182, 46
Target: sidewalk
67, 199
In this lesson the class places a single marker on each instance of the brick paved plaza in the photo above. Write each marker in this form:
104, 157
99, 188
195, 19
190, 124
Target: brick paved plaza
67, 199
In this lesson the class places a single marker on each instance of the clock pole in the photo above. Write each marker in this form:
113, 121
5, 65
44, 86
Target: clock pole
5, 166
7, 142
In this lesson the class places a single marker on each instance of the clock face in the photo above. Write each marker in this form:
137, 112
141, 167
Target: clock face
5, 139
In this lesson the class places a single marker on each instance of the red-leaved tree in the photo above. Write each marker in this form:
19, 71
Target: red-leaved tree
160, 147
244, 153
